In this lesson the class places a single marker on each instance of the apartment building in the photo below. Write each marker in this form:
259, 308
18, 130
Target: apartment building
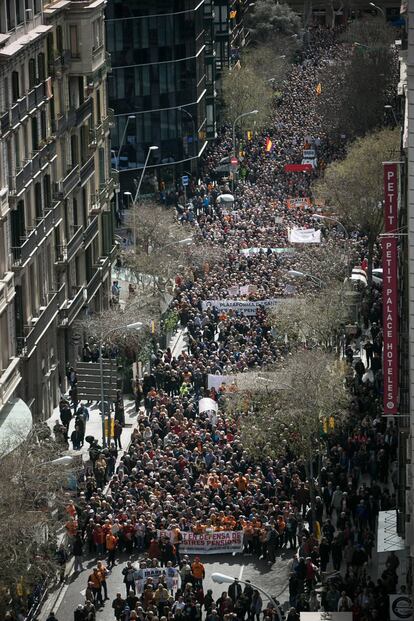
56, 191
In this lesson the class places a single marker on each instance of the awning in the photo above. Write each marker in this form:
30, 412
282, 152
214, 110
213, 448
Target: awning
388, 539
15, 425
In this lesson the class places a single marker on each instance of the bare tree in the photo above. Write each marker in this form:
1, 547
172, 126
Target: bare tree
270, 20
354, 186
283, 415
158, 251
32, 501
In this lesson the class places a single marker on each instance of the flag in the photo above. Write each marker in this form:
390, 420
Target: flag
268, 145
233, 14
319, 89
249, 134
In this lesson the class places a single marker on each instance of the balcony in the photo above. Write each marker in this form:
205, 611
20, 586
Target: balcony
31, 100
40, 324
6, 290
5, 123
9, 380
4, 203
84, 111
74, 306
94, 284
91, 232
70, 182
103, 129
66, 252
87, 170
40, 92
22, 253
22, 103
15, 117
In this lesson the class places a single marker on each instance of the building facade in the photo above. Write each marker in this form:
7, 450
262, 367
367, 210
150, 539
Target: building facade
158, 85
56, 190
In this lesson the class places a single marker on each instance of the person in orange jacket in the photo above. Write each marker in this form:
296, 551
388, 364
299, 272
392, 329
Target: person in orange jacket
111, 547
198, 572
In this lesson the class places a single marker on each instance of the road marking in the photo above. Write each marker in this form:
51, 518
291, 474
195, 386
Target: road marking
241, 572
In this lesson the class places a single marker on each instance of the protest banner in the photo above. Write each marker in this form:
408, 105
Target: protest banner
247, 307
250, 251
215, 381
304, 236
220, 542
141, 575
298, 203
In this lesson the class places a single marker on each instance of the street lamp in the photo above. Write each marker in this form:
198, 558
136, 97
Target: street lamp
131, 326
187, 241
65, 460
315, 279
389, 107
223, 579
193, 124
378, 8
318, 216
134, 202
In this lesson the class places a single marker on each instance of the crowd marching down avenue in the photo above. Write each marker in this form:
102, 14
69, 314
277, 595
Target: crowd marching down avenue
186, 473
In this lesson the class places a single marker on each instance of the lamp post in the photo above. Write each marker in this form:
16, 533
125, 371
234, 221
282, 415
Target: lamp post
187, 241
315, 279
378, 8
65, 460
234, 134
131, 326
193, 124
318, 216
223, 578
134, 202
389, 107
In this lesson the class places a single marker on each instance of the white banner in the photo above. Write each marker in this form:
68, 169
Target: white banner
207, 405
249, 251
248, 307
221, 542
215, 381
142, 575
304, 236
401, 607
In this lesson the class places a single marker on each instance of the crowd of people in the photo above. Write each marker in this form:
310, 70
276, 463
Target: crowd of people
189, 472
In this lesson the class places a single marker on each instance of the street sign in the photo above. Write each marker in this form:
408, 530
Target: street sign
184, 180
234, 162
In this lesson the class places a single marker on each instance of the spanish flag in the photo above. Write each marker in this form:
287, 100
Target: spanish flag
319, 89
268, 145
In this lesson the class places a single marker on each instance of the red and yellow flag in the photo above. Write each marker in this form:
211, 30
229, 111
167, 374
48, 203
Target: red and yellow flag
233, 14
268, 145
319, 88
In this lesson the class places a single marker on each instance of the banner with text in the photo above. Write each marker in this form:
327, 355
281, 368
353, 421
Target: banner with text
155, 573
390, 289
248, 307
304, 236
221, 542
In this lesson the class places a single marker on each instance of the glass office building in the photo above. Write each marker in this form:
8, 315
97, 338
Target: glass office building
158, 84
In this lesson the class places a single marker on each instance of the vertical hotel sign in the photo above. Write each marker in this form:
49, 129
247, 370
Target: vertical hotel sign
390, 288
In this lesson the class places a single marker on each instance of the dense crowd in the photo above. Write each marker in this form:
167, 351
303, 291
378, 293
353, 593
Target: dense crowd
188, 472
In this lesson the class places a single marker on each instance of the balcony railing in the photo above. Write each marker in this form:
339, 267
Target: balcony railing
94, 283
5, 122
70, 181
22, 253
40, 325
75, 243
87, 170
84, 111
91, 232
74, 306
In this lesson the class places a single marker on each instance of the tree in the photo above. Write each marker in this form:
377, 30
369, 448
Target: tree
269, 61
270, 19
243, 92
356, 89
285, 414
316, 319
32, 501
354, 186
159, 252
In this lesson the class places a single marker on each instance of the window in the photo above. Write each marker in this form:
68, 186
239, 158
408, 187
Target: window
97, 39
17, 158
32, 73
35, 136
74, 41
19, 12
10, 15
41, 71
59, 39
37, 6
15, 86
43, 125
38, 201
102, 176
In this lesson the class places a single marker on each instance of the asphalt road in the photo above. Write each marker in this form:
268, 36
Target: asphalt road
273, 579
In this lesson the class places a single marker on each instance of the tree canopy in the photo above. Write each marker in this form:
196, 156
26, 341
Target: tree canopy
270, 18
